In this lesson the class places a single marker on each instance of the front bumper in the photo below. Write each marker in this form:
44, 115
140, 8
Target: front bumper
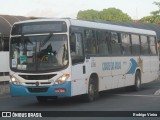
55, 90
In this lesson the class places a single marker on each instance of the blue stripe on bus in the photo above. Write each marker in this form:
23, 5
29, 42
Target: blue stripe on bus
16, 90
132, 67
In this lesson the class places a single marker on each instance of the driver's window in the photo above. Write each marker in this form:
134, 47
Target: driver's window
76, 48
76, 44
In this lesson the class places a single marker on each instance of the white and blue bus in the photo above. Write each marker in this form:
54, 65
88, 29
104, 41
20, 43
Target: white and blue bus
65, 57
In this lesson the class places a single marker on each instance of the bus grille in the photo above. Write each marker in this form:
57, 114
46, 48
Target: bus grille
36, 90
37, 77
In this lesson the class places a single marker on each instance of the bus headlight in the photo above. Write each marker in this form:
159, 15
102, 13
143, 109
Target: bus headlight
15, 81
62, 79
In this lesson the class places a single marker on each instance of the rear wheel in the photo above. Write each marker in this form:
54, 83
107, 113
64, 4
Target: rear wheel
137, 85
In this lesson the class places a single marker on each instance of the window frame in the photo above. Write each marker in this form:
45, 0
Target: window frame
147, 53
107, 44
95, 39
120, 44
130, 44
155, 41
132, 51
78, 30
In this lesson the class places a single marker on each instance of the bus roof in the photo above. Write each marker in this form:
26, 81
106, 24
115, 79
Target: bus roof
97, 25
106, 26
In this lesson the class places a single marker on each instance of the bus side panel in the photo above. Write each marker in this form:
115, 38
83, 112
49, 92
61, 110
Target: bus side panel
118, 71
130, 65
154, 67
79, 79
103, 69
125, 78
145, 66
4, 65
149, 68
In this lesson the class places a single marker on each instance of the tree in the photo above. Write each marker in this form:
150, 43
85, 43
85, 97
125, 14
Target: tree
151, 19
157, 12
113, 14
110, 14
154, 17
88, 15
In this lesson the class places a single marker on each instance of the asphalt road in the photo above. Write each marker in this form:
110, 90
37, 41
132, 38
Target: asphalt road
113, 100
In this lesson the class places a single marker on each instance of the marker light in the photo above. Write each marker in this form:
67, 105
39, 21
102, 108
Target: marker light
49, 53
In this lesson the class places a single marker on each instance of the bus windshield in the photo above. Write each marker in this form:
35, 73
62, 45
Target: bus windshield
38, 52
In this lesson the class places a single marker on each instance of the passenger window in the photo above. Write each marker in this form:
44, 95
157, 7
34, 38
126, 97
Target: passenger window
126, 45
153, 46
135, 44
144, 45
115, 44
90, 42
103, 39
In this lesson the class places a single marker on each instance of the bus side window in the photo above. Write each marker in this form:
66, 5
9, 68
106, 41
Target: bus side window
135, 44
126, 45
103, 38
90, 41
144, 45
115, 43
153, 46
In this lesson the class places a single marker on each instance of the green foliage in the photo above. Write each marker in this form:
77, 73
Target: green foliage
88, 15
113, 14
151, 19
157, 12
154, 18
110, 14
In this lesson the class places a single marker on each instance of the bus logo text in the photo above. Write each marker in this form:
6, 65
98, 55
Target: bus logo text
111, 66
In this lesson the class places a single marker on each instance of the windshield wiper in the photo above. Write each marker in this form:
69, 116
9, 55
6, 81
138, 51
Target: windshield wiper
46, 40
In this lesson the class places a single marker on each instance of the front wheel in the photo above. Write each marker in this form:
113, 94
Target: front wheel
92, 91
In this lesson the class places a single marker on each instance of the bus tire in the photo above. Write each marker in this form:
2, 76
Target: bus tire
42, 99
137, 85
92, 90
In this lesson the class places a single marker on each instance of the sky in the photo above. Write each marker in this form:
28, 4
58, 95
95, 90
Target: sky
136, 9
